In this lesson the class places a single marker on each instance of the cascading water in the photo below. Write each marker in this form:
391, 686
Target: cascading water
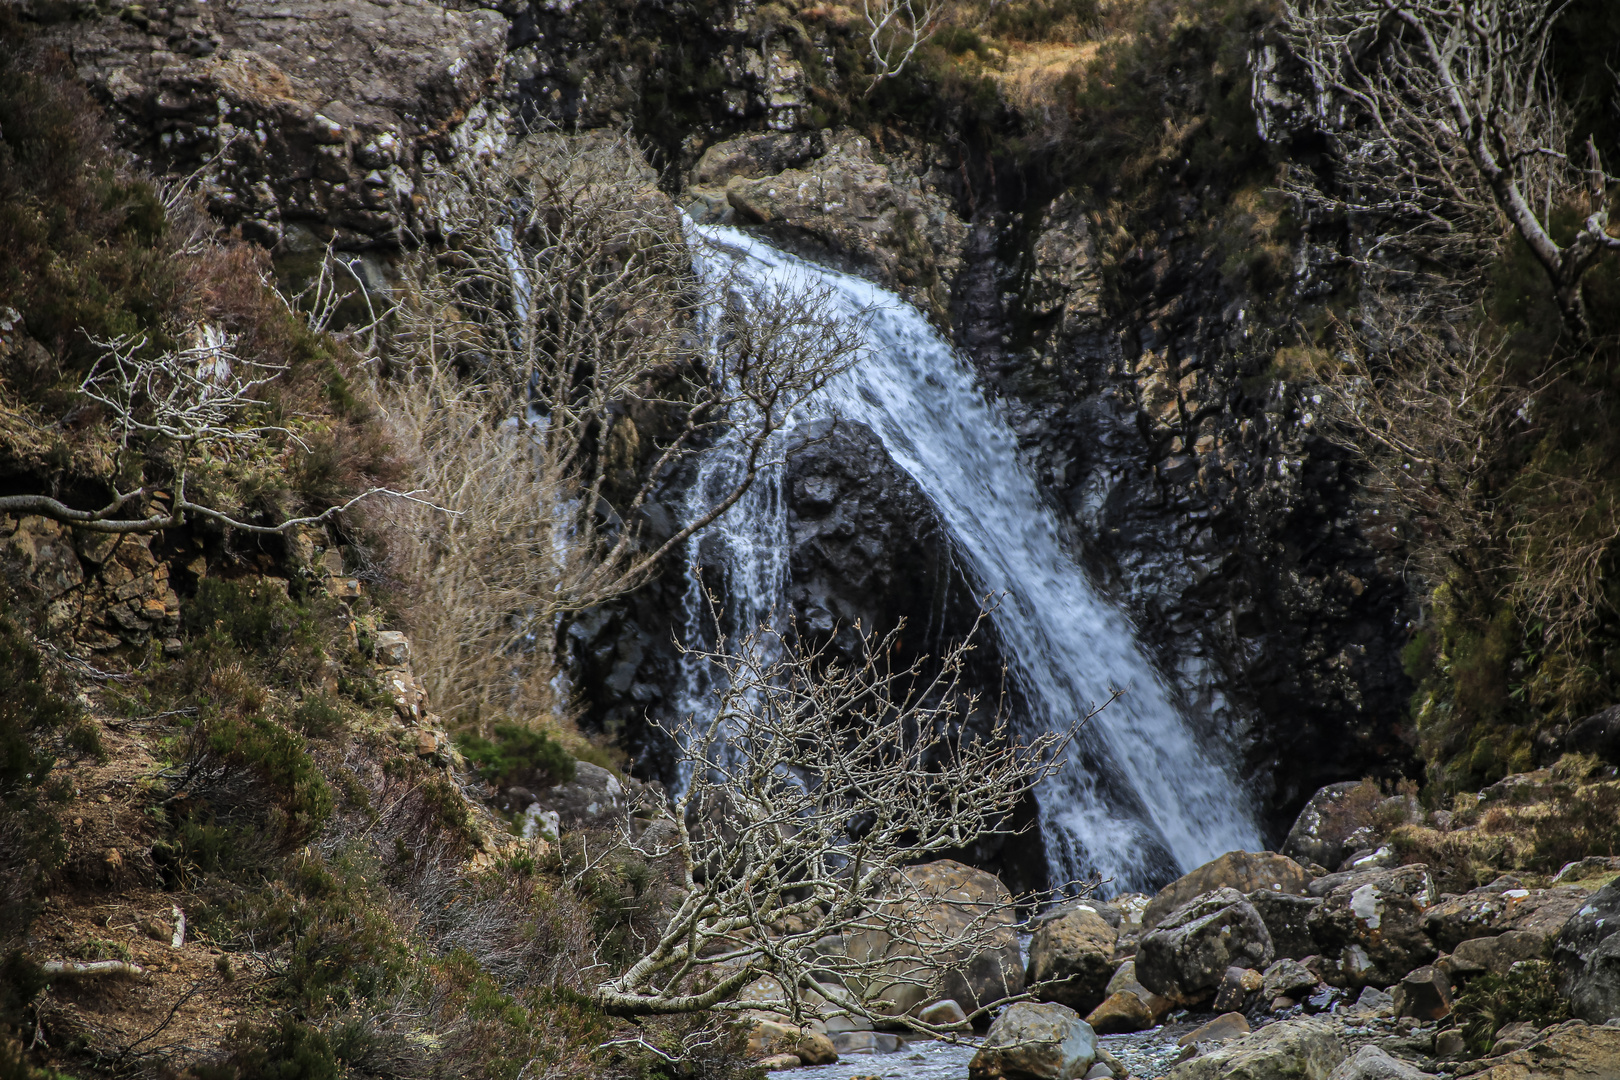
1140, 799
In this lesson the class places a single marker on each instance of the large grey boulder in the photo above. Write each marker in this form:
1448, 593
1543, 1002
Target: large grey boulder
1373, 1063
1372, 926
1287, 919
1245, 871
1314, 837
1035, 1042
1288, 1050
1074, 953
1586, 954
1187, 955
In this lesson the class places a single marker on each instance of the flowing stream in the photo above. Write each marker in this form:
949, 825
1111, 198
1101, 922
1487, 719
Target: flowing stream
1141, 798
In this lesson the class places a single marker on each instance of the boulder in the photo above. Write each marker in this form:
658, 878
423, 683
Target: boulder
1035, 1042
1373, 926
1598, 734
1590, 867
1188, 953
865, 1042
1074, 955
1496, 954
1236, 986
1586, 955
592, 799
1120, 1014
1287, 978
780, 1061
1125, 980
1489, 911
1424, 993
943, 900
1311, 839
1245, 871
1222, 1029
1286, 1050
1570, 1051
1373, 1063
1374, 1002
1287, 921
945, 1013
769, 1038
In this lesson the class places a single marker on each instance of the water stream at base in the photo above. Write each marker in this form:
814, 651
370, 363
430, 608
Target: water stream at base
1141, 798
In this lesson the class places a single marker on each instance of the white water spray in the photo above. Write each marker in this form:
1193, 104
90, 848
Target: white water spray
1140, 799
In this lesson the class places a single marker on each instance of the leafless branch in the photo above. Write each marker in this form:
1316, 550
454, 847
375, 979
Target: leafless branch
895, 31
809, 793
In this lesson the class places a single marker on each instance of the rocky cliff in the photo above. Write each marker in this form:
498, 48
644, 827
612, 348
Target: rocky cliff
1126, 317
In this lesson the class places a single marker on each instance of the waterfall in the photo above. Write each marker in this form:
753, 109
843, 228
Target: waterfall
1140, 798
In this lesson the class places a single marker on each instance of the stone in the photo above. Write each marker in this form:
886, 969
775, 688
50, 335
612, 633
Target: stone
1513, 1037
1287, 978
1286, 1050
1496, 954
1099, 1071
865, 1042
1125, 980
1586, 955
1449, 1045
1310, 839
1120, 1014
1035, 1042
1374, 1001
1424, 993
1375, 1063
754, 156
1223, 1028
1073, 956
1287, 919
1244, 871
593, 798
43, 553
1373, 926
1188, 953
393, 649
1570, 1051
1490, 911
946, 1013
768, 1038
1236, 986
780, 1061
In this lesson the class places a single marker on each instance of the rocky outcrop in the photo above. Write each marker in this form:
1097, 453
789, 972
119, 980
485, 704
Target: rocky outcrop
1571, 1051
1035, 1042
301, 129
1586, 954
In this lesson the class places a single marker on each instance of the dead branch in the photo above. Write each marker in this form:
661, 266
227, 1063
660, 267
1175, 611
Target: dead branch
1448, 130
71, 969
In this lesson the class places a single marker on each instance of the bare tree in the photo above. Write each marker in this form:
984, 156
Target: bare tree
560, 362
198, 403
1447, 123
808, 793
896, 29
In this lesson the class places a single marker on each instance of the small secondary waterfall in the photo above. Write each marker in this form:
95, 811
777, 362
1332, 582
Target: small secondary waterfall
1140, 798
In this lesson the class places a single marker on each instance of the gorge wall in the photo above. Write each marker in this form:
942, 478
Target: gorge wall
1131, 321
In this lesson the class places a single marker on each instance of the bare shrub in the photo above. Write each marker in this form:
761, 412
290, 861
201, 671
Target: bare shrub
895, 30
1447, 131
559, 363
808, 792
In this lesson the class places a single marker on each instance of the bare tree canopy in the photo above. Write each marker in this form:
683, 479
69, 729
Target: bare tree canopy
896, 29
808, 793
559, 363
1448, 123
